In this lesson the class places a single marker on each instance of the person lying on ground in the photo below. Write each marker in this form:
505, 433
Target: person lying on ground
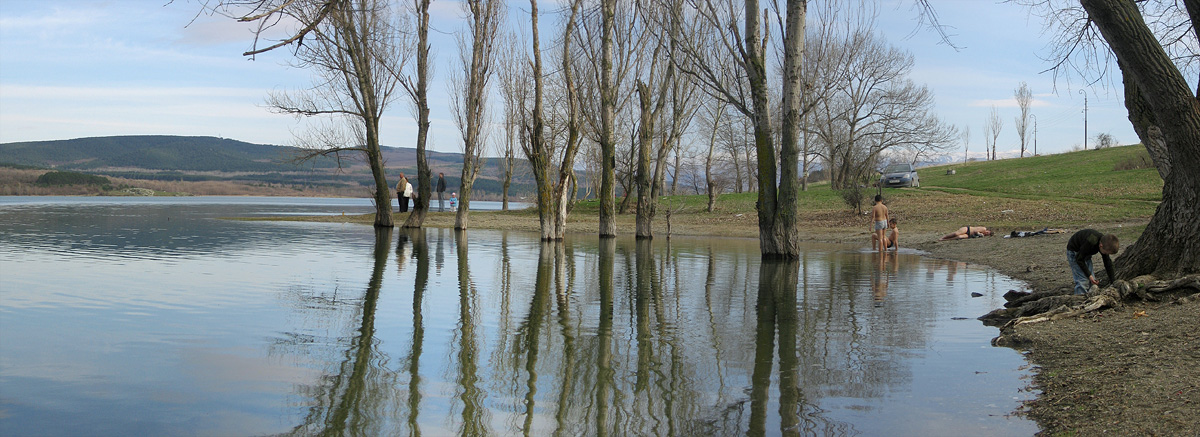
1019, 234
1080, 249
967, 232
892, 241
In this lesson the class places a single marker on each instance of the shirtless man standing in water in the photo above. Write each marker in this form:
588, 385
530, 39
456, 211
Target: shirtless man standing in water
879, 220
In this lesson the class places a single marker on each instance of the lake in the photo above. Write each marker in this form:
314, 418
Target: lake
155, 316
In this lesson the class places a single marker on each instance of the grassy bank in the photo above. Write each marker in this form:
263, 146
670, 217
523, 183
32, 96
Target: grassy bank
1070, 190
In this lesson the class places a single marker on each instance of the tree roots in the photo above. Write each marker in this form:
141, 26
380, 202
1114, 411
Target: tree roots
1144, 288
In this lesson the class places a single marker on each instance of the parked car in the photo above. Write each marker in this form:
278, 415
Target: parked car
899, 175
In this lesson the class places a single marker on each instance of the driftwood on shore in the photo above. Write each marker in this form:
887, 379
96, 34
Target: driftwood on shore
1025, 308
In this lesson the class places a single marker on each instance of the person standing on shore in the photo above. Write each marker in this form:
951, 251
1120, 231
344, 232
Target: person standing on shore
403, 192
441, 190
1080, 249
879, 221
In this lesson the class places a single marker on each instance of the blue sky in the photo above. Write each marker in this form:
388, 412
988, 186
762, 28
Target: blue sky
81, 68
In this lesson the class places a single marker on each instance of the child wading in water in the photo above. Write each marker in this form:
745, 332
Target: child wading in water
879, 222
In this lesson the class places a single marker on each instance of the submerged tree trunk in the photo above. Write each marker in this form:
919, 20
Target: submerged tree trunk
645, 212
608, 146
1167, 247
538, 151
777, 215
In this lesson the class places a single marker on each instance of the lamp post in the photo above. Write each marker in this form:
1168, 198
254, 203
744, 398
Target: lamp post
1084, 92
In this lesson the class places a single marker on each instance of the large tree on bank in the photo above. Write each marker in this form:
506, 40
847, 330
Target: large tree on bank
353, 47
1165, 113
356, 49
730, 62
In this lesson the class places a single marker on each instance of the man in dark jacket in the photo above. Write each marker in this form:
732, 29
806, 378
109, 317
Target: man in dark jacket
441, 190
1080, 249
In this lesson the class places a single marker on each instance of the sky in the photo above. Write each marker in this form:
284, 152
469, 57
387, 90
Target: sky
85, 68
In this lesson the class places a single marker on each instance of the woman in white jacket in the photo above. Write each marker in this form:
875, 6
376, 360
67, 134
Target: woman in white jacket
403, 192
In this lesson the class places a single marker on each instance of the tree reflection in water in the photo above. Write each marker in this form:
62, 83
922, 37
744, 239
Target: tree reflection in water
357, 398
420, 251
623, 337
470, 394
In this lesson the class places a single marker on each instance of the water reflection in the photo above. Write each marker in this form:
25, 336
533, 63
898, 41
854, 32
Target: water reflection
420, 251
478, 333
470, 394
357, 399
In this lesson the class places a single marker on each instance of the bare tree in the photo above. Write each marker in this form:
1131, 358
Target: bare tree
965, 134
1156, 59
418, 92
666, 107
514, 90
874, 109
994, 125
1021, 123
725, 52
471, 111
716, 116
538, 148
353, 47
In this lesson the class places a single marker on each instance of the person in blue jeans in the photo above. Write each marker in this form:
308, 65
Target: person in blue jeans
1080, 249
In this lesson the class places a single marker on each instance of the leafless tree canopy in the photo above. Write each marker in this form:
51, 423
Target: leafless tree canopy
1024, 98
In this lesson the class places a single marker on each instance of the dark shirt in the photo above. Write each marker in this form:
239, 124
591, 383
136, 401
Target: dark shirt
441, 186
1086, 243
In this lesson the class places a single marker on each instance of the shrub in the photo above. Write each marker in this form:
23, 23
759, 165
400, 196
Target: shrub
1140, 160
70, 178
853, 196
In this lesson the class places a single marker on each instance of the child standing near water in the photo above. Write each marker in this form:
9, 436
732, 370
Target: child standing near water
879, 222
453, 202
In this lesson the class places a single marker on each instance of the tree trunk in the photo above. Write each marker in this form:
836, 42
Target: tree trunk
737, 166
709, 182
1166, 248
645, 141
785, 231
417, 217
508, 174
383, 193
608, 146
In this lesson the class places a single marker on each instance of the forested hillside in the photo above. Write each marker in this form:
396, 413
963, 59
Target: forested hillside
177, 158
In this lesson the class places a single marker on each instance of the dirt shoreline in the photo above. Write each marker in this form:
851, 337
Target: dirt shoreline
1115, 372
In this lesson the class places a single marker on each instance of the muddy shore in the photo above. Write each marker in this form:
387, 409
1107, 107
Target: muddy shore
1130, 370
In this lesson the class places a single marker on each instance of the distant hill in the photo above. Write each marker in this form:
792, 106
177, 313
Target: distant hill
164, 157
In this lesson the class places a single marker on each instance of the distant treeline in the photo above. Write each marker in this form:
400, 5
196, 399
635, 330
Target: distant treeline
71, 178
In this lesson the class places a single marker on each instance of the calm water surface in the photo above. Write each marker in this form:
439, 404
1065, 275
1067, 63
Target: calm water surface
156, 317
